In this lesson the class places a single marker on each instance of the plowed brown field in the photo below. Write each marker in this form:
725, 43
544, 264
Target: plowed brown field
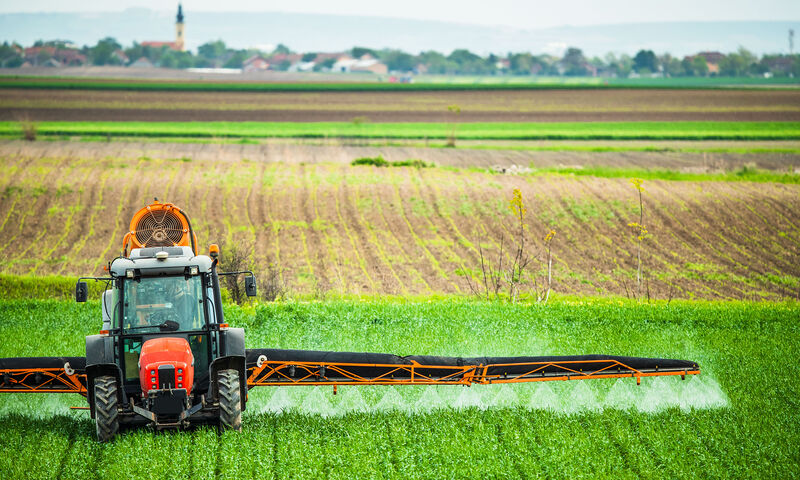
506, 106
328, 225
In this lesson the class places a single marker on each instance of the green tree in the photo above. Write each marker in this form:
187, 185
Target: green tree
574, 62
397, 60
358, 52
645, 61
437, 63
737, 64
212, 52
236, 60
521, 63
309, 57
699, 66
168, 60
619, 66
281, 49
103, 52
324, 65
184, 59
672, 67
470, 63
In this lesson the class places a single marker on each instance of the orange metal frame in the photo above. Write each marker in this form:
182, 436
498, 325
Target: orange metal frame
414, 374
57, 380
41, 380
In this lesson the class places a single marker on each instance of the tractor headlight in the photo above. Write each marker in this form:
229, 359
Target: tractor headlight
194, 270
129, 273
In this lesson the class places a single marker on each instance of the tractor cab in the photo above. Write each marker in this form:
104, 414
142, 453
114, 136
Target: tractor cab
164, 355
164, 292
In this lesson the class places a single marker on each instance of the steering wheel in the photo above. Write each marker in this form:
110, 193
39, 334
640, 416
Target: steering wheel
159, 318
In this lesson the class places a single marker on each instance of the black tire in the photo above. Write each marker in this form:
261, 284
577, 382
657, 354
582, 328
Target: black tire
106, 411
230, 401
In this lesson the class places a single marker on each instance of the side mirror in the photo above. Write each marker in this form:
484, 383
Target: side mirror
250, 286
81, 292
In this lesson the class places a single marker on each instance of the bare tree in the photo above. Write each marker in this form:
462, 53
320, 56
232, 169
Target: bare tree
234, 258
271, 285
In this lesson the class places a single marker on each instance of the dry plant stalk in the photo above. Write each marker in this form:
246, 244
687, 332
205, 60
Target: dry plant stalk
641, 234
28, 127
451, 137
515, 276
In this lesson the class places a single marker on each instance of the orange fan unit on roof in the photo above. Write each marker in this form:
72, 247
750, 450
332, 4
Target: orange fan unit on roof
159, 225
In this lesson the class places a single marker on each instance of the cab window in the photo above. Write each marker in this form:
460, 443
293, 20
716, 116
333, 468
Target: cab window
152, 301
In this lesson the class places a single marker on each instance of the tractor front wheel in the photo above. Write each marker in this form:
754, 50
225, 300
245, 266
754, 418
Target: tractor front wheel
230, 402
106, 411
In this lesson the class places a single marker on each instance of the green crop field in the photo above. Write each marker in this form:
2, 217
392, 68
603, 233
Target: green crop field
464, 131
736, 420
423, 83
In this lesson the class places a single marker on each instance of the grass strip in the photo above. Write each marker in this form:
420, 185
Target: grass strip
743, 174
416, 144
412, 130
427, 83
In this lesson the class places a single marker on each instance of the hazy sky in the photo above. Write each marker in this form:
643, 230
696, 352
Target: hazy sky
512, 13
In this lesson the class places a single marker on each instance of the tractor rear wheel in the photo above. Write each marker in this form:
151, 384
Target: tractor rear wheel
230, 401
106, 412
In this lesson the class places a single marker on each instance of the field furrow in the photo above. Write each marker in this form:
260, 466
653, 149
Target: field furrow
327, 226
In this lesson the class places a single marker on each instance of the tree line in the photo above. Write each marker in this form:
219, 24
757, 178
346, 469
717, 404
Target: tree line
216, 54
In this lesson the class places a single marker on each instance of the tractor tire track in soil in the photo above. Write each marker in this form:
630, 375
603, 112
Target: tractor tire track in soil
398, 230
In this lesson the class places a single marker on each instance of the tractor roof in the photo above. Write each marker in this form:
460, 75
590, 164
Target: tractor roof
160, 261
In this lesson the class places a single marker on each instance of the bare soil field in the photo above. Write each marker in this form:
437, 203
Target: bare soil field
506, 106
329, 226
338, 152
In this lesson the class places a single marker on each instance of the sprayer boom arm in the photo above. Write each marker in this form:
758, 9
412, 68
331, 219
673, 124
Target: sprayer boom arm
274, 367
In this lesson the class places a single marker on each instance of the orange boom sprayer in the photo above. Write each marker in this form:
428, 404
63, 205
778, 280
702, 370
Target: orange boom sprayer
159, 225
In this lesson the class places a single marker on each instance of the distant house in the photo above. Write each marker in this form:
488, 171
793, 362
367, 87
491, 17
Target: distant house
53, 57
343, 64
280, 58
70, 57
322, 56
712, 60
366, 64
121, 57
142, 62
302, 66
255, 63
781, 64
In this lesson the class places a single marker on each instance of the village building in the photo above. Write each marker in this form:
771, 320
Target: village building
279, 59
712, 60
142, 62
53, 57
179, 45
256, 63
366, 64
